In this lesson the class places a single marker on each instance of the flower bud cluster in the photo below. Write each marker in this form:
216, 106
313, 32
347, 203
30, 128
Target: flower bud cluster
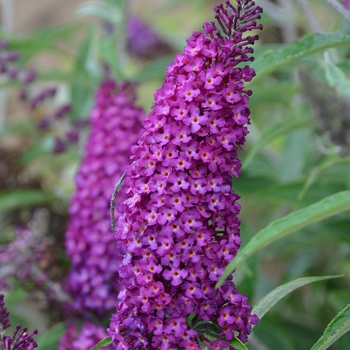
40, 103
178, 227
21, 339
115, 122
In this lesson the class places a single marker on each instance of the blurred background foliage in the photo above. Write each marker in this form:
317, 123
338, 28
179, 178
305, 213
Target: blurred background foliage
296, 154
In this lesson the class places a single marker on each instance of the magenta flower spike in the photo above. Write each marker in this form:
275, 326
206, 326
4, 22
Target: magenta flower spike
21, 339
85, 339
178, 228
115, 122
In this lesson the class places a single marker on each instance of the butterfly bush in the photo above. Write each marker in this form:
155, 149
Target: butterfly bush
115, 122
178, 227
85, 339
21, 339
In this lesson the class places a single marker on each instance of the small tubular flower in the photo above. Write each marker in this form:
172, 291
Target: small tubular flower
115, 122
189, 229
21, 339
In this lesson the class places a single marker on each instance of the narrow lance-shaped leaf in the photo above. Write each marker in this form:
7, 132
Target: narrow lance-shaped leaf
335, 329
280, 292
336, 77
327, 207
102, 344
275, 131
19, 198
309, 44
316, 173
51, 336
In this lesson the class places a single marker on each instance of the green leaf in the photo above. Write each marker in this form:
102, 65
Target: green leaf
103, 343
65, 32
19, 198
51, 336
272, 59
277, 294
237, 344
335, 329
212, 331
108, 50
327, 207
153, 70
336, 77
108, 13
71, 77
28, 47
42, 147
81, 93
276, 130
315, 173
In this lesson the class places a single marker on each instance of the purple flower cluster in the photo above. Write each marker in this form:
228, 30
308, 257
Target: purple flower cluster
144, 42
20, 340
115, 122
40, 103
9, 65
25, 259
178, 228
20, 258
85, 339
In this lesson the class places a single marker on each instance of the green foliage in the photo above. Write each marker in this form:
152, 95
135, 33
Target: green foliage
310, 44
336, 328
50, 339
336, 77
277, 294
20, 198
277, 130
292, 180
332, 205
103, 343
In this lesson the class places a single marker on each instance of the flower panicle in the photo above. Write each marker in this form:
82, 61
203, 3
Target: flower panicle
179, 224
115, 122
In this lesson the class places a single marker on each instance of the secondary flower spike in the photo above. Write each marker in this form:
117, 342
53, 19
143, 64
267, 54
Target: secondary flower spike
115, 123
85, 339
20, 340
178, 227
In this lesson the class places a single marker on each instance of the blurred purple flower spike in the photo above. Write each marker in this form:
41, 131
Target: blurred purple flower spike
115, 122
85, 339
144, 42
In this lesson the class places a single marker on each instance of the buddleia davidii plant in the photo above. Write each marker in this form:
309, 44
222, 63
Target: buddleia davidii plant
178, 227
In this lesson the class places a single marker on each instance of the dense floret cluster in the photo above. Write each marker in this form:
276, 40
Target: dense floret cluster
21, 339
178, 227
85, 339
115, 122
